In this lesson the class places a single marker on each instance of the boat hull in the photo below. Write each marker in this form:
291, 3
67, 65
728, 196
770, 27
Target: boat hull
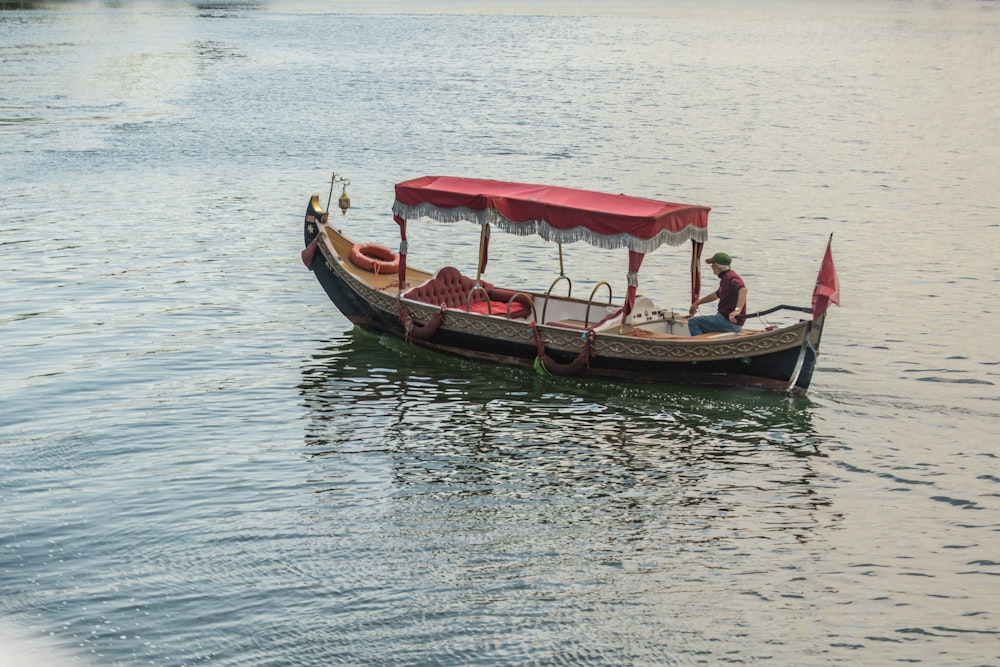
779, 360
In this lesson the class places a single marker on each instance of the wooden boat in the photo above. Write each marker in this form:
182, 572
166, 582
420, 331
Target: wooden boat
453, 313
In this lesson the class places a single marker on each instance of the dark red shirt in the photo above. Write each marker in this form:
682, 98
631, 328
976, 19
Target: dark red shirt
730, 285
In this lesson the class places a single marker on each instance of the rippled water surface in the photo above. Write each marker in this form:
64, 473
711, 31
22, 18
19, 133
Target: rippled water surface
201, 462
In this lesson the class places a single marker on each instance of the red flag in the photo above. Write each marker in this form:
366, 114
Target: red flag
827, 285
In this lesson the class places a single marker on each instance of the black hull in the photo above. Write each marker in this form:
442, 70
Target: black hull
772, 370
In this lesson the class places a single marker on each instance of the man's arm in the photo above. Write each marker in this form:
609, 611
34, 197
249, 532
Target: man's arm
708, 298
741, 300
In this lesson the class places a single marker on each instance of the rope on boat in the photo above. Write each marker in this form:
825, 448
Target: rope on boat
547, 366
310, 252
422, 332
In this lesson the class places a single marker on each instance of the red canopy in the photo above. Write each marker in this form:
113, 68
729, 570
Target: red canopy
554, 213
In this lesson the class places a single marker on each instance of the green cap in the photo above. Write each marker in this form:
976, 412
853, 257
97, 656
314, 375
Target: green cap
720, 258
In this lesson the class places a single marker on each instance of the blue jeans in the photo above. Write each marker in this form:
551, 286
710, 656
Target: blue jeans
711, 323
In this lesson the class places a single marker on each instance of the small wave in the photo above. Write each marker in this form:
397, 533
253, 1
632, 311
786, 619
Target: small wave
957, 502
935, 378
921, 631
833, 369
964, 630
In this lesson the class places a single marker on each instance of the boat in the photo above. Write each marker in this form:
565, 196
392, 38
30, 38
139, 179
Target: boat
634, 340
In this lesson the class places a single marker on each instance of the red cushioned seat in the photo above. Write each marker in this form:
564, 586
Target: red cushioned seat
517, 309
449, 288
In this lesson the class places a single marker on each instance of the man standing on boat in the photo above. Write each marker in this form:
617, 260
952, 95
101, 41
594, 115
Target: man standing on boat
732, 296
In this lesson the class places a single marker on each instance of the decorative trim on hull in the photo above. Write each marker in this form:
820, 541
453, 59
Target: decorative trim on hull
766, 360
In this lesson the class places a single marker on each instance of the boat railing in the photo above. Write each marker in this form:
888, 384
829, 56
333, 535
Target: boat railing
590, 301
489, 307
548, 294
531, 303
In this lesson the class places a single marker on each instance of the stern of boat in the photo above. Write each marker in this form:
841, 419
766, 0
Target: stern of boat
808, 356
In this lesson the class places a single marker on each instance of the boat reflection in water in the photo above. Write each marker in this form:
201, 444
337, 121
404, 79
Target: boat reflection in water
388, 421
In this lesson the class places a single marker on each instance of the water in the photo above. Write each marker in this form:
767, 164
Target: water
202, 463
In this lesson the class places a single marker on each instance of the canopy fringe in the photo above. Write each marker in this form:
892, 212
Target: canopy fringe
548, 232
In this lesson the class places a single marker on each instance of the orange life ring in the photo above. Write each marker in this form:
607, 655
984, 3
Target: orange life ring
376, 258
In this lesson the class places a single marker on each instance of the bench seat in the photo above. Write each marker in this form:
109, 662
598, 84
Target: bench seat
450, 289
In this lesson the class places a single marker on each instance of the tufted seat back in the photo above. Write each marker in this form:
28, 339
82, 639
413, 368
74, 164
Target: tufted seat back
448, 288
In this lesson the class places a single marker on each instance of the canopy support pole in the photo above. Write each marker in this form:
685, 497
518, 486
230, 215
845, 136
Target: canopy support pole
696, 248
403, 250
484, 241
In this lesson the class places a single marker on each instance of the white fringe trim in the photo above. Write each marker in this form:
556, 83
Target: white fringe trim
546, 231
